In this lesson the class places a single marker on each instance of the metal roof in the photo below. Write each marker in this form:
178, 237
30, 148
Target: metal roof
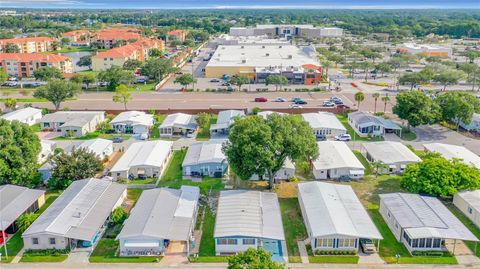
249, 213
163, 213
148, 153
452, 151
423, 216
323, 120
205, 152
361, 117
21, 114
72, 118
334, 209
335, 154
390, 152
14, 201
225, 119
133, 118
181, 120
96, 146
472, 198
80, 210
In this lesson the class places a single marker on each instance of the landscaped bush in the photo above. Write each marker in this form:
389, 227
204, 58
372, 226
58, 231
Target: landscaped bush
432, 253
335, 252
262, 89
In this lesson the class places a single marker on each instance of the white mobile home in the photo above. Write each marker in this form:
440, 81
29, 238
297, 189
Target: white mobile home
132, 122
336, 160
249, 219
102, 148
28, 115
421, 223
205, 159
324, 124
161, 218
178, 124
366, 124
455, 152
394, 155
72, 123
143, 160
334, 216
287, 171
469, 203
225, 120
47, 149
78, 217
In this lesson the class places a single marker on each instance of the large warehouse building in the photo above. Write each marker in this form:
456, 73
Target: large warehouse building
257, 62
287, 31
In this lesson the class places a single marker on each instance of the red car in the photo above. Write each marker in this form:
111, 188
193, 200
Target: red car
261, 99
1, 237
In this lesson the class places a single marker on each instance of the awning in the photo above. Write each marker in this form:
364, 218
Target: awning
392, 166
357, 172
403, 166
142, 244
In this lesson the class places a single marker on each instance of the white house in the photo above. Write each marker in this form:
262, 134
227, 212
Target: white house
249, 219
132, 122
287, 171
143, 160
421, 223
47, 149
474, 125
205, 159
72, 123
469, 203
102, 148
224, 120
324, 124
394, 155
28, 115
366, 124
455, 152
77, 217
336, 160
178, 124
334, 216
162, 221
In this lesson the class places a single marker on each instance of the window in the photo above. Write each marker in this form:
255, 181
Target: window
35, 241
346, 243
226, 241
415, 243
325, 242
470, 210
437, 242
52, 241
248, 241
428, 243
421, 243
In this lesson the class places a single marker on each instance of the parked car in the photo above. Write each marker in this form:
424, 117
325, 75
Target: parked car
294, 99
343, 106
214, 80
337, 101
321, 137
344, 178
11, 84
328, 104
367, 246
226, 84
143, 136
300, 102
3, 239
117, 139
141, 79
280, 99
261, 99
190, 133
295, 106
343, 137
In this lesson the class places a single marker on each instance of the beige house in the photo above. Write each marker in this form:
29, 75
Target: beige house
72, 123
469, 203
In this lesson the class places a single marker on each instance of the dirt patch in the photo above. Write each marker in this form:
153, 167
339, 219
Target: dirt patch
287, 190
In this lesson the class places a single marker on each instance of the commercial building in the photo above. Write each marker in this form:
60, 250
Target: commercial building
143, 160
288, 31
29, 44
162, 221
72, 123
366, 124
178, 124
336, 160
334, 217
455, 152
24, 64
108, 38
469, 203
224, 120
251, 40
421, 223
257, 62
394, 155
77, 218
205, 159
27, 115
249, 219
474, 125
425, 50
16, 201
324, 124
132, 122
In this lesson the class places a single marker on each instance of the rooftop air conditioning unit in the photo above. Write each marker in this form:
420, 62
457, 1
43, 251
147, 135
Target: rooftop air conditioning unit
290, 56
244, 61
279, 47
263, 47
242, 47
267, 54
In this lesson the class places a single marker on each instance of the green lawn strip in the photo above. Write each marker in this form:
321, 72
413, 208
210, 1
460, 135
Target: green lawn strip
134, 194
292, 225
43, 258
210, 259
36, 127
14, 245
33, 100
207, 243
333, 259
408, 135
355, 137
72, 49
174, 169
143, 181
468, 223
140, 87
106, 250
50, 197
294, 259
363, 160
155, 132
422, 260
93, 135
389, 246
204, 133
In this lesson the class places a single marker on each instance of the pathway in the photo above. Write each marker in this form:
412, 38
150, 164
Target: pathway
19, 255
373, 258
303, 251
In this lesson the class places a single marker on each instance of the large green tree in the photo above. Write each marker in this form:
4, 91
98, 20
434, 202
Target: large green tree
11, 48
115, 76
19, 149
448, 77
132, 64
437, 176
76, 165
158, 68
258, 146
277, 80
84, 78
458, 107
58, 91
416, 108
253, 259
47, 72
85, 61
184, 80
239, 81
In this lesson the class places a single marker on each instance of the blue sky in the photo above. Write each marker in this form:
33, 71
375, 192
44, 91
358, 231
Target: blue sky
223, 4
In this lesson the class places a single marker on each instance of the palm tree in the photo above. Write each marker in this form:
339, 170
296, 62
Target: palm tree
359, 97
377, 167
385, 100
375, 96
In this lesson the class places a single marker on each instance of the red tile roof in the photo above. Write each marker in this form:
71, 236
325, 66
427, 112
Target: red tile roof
28, 57
128, 50
26, 39
76, 33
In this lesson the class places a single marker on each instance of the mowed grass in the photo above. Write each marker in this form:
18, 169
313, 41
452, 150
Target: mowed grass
32, 258
293, 226
207, 243
334, 259
106, 252
155, 132
355, 137
363, 160
204, 132
14, 245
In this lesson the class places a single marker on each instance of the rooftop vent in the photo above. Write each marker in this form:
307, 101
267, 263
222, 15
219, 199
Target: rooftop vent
263, 47
244, 61
267, 54
242, 47
280, 47
290, 56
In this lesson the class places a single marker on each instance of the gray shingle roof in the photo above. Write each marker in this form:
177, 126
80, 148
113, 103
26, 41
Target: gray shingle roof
205, 152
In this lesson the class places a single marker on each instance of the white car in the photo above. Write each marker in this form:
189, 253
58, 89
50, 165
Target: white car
295, 106
343, 137
280, 99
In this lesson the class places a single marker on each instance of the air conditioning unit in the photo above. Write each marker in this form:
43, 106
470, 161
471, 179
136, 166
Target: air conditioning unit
267, 54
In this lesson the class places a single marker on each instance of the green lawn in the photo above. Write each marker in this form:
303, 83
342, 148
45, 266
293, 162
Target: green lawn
43, 258
210, 259
50, 197
142, 87
333, 259
174, 169
72, 49
204, 133
355, 137
468, 223
134, 194
14, 245
293, 226
105, 252
408, 135
93, 135
207, 243
155, 132
363, 160
143, 181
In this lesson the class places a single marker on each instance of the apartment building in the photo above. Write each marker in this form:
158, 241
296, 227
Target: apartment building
138, 50
178, 34
107, 38
24, 64
29, 44
78, 37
